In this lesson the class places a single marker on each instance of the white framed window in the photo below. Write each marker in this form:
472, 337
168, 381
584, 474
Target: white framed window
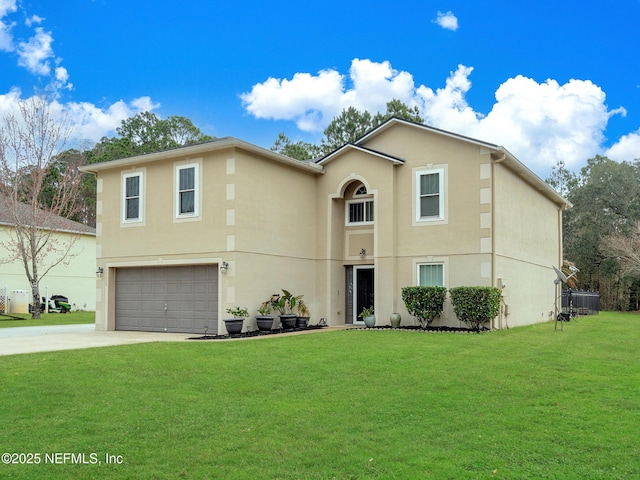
430, 274
132, 197
187, 188
430, 198
359, 212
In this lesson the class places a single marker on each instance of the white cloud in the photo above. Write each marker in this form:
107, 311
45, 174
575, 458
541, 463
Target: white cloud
447, 21
540, 123
61, 74
313, 101
627, 148
6, 38
33, 19
89, 122
305, 98
86, 120
35, 53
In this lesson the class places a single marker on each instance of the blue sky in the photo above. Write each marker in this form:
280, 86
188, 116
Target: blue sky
548, 80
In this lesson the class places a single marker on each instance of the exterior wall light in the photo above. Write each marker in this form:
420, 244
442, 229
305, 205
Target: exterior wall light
224, 266
99, 272
363, 253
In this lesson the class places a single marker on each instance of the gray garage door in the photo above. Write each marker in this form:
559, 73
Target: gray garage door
167, 299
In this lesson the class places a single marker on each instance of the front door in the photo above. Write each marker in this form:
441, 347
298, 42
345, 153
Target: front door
363, 290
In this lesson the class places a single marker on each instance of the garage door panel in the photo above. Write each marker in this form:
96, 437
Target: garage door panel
190, 294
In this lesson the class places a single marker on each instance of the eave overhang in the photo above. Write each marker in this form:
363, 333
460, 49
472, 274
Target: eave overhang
201, 149
351, 147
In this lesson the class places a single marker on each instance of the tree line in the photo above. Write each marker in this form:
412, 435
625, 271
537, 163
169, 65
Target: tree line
601, 232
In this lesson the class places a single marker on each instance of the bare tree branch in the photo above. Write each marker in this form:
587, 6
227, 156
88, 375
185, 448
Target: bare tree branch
626, 248
39, 235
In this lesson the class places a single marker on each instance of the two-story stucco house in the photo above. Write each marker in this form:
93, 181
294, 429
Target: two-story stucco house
184, 234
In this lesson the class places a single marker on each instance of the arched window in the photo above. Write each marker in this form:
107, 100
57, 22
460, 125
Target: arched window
359, 211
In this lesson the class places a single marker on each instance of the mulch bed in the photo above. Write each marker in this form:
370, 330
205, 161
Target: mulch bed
277, 331
417, 328
257, 333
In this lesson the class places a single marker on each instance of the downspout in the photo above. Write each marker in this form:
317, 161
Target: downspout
493, 234
560, 234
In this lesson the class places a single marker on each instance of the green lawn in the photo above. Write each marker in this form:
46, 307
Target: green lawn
70, 318
527, 403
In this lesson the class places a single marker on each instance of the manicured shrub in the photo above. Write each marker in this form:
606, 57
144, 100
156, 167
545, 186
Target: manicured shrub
475, 305
424, 303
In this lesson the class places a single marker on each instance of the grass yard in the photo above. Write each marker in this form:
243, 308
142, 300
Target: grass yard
527, 403
70, 318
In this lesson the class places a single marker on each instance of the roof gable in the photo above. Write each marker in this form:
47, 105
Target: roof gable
396, 120
499, 154
351, 146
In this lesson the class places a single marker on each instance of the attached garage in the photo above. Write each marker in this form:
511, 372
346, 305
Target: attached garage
180, 299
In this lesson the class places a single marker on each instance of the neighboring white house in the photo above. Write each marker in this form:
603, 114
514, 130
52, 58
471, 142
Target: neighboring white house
75, 280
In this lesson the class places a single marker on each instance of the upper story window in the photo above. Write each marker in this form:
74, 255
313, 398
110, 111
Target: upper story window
431, 274
359, 211
429, 195
187, 194
132, 201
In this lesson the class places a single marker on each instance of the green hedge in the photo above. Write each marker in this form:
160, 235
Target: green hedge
424, 303
476, 305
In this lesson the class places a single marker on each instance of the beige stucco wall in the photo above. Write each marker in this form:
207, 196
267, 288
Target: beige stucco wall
281, 226
482, 197
75, 280
528, 245
462, 241
257, 215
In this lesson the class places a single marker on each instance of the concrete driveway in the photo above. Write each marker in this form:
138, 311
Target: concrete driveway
68, 337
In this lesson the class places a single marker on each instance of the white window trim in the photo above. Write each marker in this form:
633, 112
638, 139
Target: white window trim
195, 215
362, 200
444, 271
141, 204
442, 206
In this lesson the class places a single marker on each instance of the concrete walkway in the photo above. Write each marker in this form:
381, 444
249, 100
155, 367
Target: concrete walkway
68, 337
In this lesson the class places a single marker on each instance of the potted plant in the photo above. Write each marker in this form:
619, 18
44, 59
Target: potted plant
263, 319
234, 325
302, 312
368, 316
285, 304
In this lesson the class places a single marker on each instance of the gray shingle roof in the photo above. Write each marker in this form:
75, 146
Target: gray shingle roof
46, 220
